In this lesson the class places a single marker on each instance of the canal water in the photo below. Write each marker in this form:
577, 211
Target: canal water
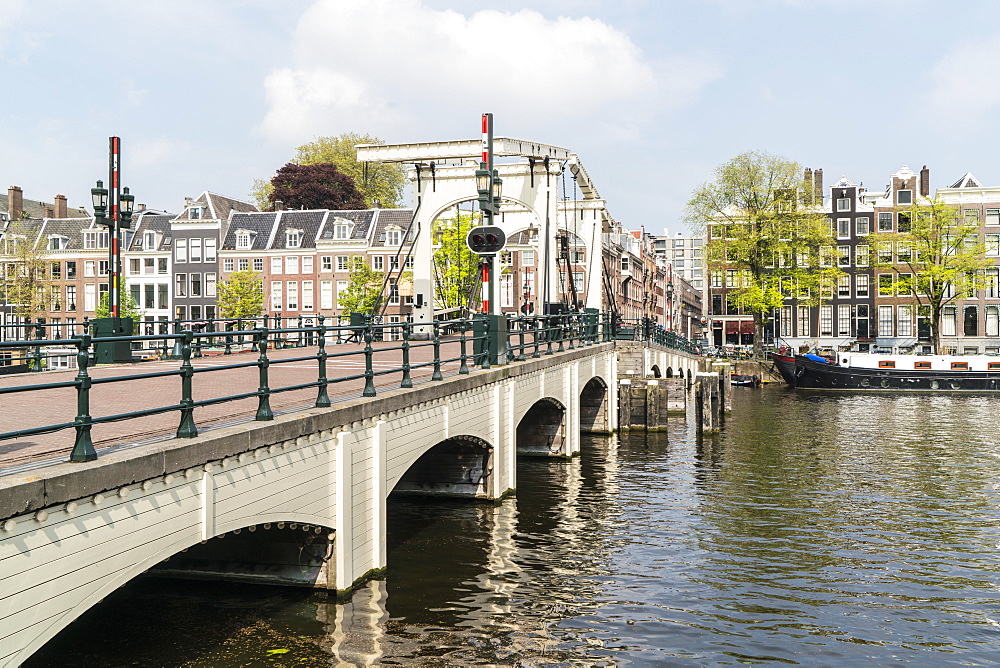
816, 530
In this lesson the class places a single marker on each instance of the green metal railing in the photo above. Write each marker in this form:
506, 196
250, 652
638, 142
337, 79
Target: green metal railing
481, 341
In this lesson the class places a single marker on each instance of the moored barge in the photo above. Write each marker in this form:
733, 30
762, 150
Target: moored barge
896, 373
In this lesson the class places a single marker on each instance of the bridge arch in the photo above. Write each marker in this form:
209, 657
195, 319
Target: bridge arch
457, 466
594, 406
542, 429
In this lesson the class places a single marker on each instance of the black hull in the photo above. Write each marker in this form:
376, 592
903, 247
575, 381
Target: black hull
806, 374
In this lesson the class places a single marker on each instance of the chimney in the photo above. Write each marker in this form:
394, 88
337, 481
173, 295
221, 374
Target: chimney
15, 202
61, 207
50, 211
279, 205
925, 181
140, 207
377, 204
808, 187
818, 186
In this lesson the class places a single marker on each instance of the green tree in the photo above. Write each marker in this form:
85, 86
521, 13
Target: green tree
936, 256
456, 268
241, 295
376, 181
760, 229
128, 308
364, 289
25, 277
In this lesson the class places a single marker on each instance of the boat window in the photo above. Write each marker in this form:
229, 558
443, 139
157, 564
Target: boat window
886, 364
960, 366
993, 366
921, 365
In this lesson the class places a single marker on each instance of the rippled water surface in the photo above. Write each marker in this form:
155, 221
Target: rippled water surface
816, 530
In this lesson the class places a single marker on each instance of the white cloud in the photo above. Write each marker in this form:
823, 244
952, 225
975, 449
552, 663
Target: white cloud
964, 87
398, 67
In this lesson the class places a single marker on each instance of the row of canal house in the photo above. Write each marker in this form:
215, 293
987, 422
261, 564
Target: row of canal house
861, 312
174, 263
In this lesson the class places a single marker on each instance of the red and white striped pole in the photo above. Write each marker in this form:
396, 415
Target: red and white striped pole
114, 197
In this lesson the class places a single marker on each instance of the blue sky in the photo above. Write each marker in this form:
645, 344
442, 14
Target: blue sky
652, 94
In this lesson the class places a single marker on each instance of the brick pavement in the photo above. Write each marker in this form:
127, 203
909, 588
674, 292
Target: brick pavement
22, 410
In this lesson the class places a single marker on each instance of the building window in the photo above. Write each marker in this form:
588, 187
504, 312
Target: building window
89, 297
885, 321
992, 321
528, 258
307, 264
71, 270
862, 225
843, 256
149, 266
843, 228
180, 285
134, 266
293, 238
991, 279
341, 290
276, 300
149, 296
826, 320
903, 222
885, 285
195, 247
885, 222
227, 264
971, 320
293, 295
948, 314
342, 230
95, 239
307, 296
993, 244
844, 286
826, 256
242, 239
378, 262
161, 265
326, 295
210, 284
194, 213
342, 263
70, 297
904, 197
326, 263
844, 320
55, 271
578, 281
149, 241
210, 248
803, 325
993, 217
861, 285
275, 265
843, 204
258, 264
861, 256
88, 268
102, 267
904, 320
243, 263
161, 295
292, 264
393, 237
625, 264
785, 321
903, 253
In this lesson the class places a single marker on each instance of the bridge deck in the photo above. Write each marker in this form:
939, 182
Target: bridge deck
24, 410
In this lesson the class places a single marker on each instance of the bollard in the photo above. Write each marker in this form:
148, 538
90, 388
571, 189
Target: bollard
463, 368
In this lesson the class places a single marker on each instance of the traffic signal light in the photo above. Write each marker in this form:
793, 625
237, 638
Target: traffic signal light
486, 240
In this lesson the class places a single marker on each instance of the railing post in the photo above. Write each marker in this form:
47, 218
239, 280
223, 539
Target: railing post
175, 353
197, 345
263, 391
547, 320
83, 447
520, 341
187, 428
35, 365
562, 333
437, 353
369, 390
569, 332
299, 340
407, 382
487, 337
322, 398
463, 368
534, 337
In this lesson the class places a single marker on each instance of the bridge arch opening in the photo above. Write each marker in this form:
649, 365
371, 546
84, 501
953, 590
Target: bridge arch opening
670, 372
542, 430
457, 466
594, 406
656, 371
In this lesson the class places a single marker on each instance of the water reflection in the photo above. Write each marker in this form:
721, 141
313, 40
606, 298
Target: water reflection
827, 530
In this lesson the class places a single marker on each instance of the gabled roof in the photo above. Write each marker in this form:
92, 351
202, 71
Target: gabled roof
361, 218
71, 228
38, 209
390, 218
258, 223
308, 222
152, 222
216, 206
967, 181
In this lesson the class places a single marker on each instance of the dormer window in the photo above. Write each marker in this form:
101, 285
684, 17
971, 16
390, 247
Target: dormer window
904, 197
342, 229
149, 241
243, 238
194, 213
57, 242
393, 236
293, 238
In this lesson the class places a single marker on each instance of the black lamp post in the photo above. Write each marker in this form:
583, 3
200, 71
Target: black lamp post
119, 218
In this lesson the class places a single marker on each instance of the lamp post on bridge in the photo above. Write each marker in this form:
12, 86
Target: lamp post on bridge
489, 186
113, 209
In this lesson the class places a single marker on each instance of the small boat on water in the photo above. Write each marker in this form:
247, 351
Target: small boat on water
742, 380
895, 373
